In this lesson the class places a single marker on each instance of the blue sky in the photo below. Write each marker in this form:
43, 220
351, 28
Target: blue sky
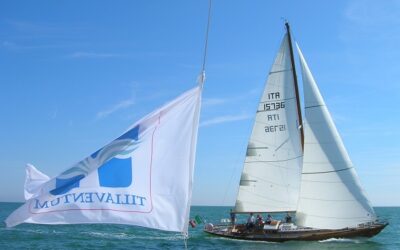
75, 74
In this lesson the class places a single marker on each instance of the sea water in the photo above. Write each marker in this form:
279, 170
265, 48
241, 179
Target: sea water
105, 236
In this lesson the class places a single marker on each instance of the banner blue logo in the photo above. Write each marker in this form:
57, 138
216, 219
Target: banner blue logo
113, 173
116, 173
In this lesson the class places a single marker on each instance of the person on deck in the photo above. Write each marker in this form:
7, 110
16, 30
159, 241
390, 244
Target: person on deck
259, 221
269, 219
233, 217
288, 218
250, 221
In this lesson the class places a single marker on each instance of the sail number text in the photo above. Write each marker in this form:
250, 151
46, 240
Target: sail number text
274, 106
275, 128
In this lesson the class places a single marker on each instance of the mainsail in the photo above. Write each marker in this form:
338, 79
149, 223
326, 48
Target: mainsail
270, 180
331, 196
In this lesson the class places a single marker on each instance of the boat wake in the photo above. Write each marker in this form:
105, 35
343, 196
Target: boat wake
342, 240
252, 242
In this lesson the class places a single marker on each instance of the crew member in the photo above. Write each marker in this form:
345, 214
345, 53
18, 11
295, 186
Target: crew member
233, 217
259, 221
269, 219
250, 221
288, 218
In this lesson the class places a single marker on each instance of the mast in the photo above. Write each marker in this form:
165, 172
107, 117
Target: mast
295, 86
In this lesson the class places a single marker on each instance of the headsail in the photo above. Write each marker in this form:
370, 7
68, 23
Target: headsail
270, 179
331, 196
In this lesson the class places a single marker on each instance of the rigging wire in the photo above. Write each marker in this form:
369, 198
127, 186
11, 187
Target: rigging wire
238, 164
201, 80
202, 73
185, 238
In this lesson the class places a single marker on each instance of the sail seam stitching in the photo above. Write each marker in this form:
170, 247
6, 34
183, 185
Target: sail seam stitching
262, 180
315, 106
263, 197
332, 217
276, 161
339, 170
307, 198
286, 99
279, 71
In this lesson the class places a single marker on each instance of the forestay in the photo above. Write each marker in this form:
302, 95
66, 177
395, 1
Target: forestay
271, 174
331, 196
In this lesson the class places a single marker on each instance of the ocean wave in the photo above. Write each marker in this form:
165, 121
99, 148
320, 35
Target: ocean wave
34, 231
133, 236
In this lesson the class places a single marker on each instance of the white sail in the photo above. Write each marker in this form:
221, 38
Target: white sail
331, 196
270, 180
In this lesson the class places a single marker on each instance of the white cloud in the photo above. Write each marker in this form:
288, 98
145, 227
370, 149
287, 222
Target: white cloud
373, 13
221, 101
29, 29
224, 119
372, 20
121, 105
54, 114
80, 55
33, 27
27, 46
8, 44
214, 101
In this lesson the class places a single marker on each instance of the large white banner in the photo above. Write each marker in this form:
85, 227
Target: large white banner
142, 178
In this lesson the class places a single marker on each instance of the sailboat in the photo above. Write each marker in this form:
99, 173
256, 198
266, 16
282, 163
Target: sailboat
299, 167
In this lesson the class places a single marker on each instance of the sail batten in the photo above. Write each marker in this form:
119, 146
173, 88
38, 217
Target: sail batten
331, 196
270, 180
